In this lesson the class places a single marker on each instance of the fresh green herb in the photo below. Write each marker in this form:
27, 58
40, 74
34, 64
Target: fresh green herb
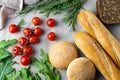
3, 44
6, 43
6, 67
21, 23
44, 55
13, 75
6, 58
45, 67
9, 73
6, 63
36, 77
25, 74
71, 7
3, 54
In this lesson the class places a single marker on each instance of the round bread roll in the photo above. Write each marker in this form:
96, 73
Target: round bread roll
81, 69
61, 54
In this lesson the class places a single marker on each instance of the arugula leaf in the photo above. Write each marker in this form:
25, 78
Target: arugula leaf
3, 54
25, 74
45, 67
13, 76
21, 23
6, 67
44, 55
3, 45
6, 43
36, 77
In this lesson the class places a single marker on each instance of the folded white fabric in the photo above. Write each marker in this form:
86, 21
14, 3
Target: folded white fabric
8, 9
31, 2
13, 4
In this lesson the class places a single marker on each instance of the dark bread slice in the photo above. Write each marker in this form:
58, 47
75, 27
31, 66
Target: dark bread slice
108, 11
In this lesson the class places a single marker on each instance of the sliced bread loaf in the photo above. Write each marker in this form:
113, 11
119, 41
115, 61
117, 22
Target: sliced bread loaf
109, 11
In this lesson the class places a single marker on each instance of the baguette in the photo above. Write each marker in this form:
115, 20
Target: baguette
97, 30
91, 48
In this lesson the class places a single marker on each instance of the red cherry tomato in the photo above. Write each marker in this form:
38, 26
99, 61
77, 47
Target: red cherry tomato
51, 36
51, 22
13, 28
16, 50
25, 60
22, 41
27, 50
36, 21
27, 32
33, 39
38, 31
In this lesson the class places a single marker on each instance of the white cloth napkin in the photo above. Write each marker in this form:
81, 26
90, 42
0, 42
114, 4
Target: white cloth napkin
30, 2
8, 9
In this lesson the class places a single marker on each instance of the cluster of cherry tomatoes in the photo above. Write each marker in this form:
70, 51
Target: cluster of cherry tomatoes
31, 36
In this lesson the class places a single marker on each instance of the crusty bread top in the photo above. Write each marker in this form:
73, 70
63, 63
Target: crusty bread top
81, 69
61, 54
109, 11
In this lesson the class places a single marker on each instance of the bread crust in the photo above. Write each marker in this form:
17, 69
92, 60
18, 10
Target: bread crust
61, 54
91, 48
81, 69
97, 30
108, 11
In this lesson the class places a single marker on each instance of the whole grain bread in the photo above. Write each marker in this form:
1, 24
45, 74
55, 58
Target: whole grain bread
108, 11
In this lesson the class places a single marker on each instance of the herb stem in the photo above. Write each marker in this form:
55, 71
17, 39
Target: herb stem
71, 7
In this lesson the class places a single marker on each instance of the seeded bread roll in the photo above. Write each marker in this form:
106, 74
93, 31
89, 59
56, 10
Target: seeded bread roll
61, 54
109, 11
81, 69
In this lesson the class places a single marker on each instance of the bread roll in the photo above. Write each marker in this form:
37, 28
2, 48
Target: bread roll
61, 54
81, 69
97, 30
97, 55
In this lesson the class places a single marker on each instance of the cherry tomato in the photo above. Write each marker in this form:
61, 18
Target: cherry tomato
27, 50
27, 32
16, 50
38, 31
33, 39
51, 36
22, 41
51, 22
25, 60
13, 28
36, 21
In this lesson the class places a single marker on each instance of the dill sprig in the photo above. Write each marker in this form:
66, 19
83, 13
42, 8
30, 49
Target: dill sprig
71, 7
